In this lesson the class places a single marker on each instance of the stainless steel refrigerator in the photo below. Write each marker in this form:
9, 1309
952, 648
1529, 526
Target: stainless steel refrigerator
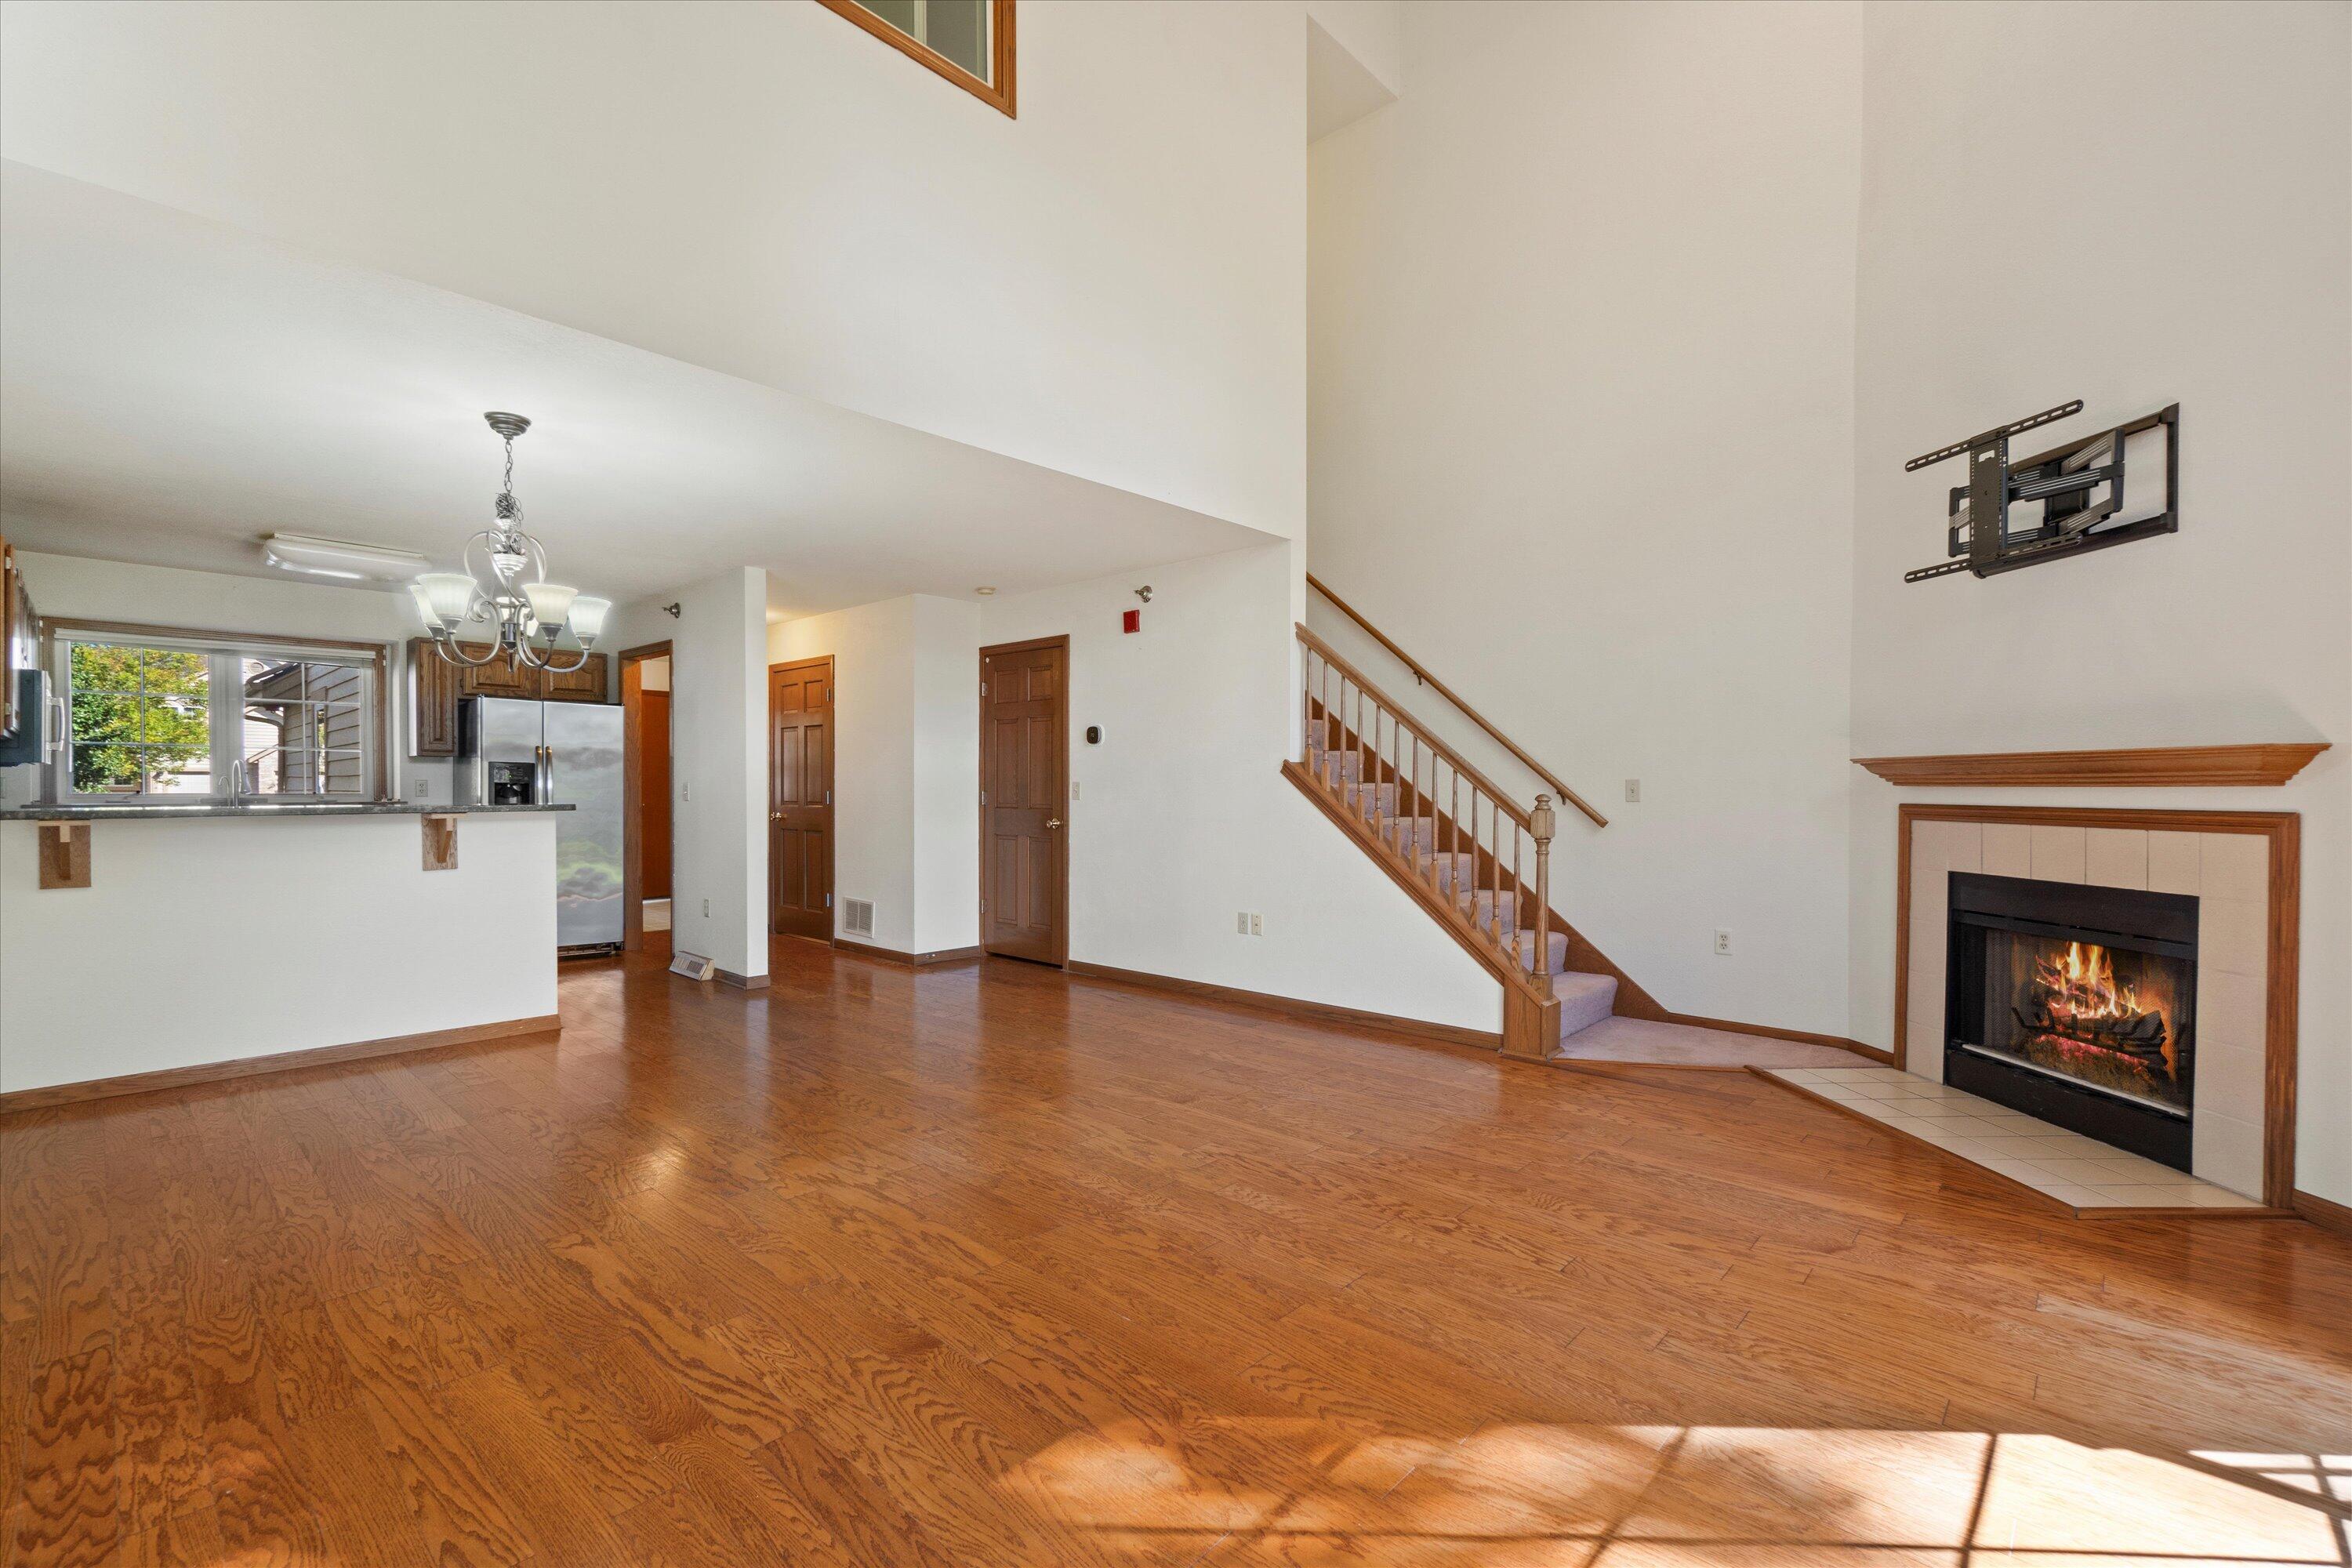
512, 752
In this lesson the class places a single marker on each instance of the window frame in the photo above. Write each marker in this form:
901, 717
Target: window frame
60, 636
998, 94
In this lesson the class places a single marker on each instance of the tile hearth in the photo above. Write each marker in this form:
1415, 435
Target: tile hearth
2079, 1172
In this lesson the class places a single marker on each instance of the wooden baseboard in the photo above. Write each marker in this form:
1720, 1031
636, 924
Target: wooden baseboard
909, 960
1292, 1006
284, 1061
1839, 1042
2325, 1212
742, 982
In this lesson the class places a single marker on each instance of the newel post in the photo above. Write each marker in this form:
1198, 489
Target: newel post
1541, 823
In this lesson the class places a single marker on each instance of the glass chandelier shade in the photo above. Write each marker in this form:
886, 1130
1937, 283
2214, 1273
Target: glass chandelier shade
507, 594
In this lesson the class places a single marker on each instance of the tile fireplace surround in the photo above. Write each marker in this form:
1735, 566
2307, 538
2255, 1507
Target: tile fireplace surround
2241, 868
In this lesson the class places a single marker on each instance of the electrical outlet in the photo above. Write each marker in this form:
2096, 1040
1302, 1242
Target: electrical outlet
1074, 789
421, 788
1722, 942
1633, 792
1257, 926
684, 789
1241, 923
706, 908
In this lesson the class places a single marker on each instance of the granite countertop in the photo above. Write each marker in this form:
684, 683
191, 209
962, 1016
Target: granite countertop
253, 808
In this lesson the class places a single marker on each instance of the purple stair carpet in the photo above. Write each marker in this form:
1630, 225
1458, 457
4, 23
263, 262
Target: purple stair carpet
1584, 998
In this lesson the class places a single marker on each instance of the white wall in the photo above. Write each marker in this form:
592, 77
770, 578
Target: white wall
2214, 270
945, 698
204, 942
906, 764
1184, 819
1109, 285
719, 762
872, 648
1581, 417
77, 589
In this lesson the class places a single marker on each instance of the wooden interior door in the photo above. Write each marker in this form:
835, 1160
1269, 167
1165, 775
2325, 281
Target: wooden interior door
654, 782
1024, 771
800, 797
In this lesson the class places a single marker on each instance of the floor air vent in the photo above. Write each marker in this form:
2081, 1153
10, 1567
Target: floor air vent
857, 917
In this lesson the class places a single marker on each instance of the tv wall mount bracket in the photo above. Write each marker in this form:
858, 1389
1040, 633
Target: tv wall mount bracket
2108, 489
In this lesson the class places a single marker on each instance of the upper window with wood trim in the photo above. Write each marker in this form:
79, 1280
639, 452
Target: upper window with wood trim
969, 42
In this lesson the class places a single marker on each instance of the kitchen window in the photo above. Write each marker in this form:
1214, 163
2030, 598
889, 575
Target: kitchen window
969, 42
161, 716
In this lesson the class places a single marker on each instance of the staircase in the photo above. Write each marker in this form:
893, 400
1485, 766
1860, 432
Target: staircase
1476, 859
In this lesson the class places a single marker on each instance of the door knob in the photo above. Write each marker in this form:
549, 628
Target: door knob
1053, 822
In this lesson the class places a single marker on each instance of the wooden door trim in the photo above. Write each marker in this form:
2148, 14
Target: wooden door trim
1062, 752
633, 804
832, 823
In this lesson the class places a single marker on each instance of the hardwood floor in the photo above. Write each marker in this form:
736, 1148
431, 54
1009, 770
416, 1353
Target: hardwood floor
991, 1266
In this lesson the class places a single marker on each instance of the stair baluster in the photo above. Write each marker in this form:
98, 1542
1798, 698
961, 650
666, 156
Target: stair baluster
1364, 756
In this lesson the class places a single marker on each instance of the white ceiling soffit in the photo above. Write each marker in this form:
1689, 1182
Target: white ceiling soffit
171, 390
1354, 51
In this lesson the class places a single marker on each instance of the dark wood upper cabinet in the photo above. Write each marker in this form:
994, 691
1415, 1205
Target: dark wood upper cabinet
434, 686
585, 684
432, 701
498, 678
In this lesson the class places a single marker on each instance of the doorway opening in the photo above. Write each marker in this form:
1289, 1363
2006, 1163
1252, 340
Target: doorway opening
800, 798
647, 822
1025, 790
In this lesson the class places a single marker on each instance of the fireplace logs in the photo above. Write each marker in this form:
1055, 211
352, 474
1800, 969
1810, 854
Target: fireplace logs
2073, 996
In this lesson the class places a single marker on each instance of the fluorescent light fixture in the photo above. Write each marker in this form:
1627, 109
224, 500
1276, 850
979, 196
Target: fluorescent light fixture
339, 559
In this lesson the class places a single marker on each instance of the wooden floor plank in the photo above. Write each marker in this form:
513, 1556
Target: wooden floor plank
990, 1265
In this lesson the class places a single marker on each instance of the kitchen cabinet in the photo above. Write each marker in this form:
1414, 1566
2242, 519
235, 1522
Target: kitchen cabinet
498, 678
434, 686
585, 684
432, 701
18, 645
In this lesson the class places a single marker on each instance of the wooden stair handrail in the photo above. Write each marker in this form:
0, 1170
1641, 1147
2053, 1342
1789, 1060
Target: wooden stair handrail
1397, 710
1420, 672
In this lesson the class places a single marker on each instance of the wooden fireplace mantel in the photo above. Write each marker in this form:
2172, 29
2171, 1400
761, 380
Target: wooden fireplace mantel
2146, 768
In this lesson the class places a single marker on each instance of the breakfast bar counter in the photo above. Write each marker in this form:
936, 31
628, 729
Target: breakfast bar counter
145, 946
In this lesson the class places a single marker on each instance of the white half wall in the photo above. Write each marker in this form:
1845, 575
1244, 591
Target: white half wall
1580, 415
201, 941
2217, 274
718, 761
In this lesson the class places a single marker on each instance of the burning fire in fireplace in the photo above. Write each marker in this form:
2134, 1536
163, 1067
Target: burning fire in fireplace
2071, 999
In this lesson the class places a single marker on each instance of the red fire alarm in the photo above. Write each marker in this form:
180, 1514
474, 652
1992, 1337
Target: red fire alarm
1132, 621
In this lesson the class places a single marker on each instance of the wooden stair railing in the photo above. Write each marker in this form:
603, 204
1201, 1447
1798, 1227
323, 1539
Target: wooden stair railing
1421, 673
1379, 773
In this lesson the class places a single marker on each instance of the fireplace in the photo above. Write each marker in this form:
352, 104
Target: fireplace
2077, 1004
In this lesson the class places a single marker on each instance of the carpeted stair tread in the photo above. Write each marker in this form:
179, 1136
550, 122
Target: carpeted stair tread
1584, 999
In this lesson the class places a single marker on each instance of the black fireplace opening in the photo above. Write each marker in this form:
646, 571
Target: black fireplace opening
2076, 1004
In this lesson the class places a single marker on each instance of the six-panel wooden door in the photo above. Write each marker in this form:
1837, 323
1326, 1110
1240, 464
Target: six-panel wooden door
800, 797
1024, 792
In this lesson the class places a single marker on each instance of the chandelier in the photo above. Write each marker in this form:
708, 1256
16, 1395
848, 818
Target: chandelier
522, 617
